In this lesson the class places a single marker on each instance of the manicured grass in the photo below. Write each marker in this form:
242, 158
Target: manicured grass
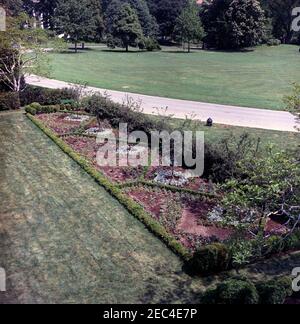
64, 239
258, 78
280, 140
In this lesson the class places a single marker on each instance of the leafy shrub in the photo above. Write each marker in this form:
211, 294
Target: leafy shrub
232, 292
274, 291
9, 100
150, 45
36, 108
273, 42
46, 96
222, 160
30, 110
211, 259
129, 112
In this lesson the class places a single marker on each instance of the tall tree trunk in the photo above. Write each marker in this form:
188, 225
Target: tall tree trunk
76, 48
82, 46
127, 47
189, 46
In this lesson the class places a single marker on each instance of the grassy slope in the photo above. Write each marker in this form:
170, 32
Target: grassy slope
281, 140
64, 239
256, 78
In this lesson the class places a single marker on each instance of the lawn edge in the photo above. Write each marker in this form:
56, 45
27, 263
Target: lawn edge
134, 208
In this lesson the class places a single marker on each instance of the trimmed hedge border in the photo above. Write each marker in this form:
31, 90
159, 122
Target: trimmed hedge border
209, 259
134, 208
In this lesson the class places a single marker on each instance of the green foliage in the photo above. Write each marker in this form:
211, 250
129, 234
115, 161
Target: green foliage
129, 112
150, 45
273, 42
222, 159
166, 13
241, 290
233, 24
211, 259
265, 186
147, 21
292, 101
280, 14
135, 209
275, 291
77, 20
45, 96
9, 100
188, 27
36, 108
21, 52
232, 292
123, 26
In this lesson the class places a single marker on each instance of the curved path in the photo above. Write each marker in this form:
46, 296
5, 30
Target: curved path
221, 114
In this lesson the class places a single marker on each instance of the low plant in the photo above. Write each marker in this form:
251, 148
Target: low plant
275, 291
210, 259
9, 101
232, 292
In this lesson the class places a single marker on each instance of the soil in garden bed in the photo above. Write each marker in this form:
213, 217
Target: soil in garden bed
176, 177
88, 147
59, 123
183, 215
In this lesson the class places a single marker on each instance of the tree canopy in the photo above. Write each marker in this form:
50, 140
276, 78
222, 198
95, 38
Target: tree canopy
233, 24
123, 26
188, 26
76, 19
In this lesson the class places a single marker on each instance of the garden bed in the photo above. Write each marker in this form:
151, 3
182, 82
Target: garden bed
63, 123
183, 215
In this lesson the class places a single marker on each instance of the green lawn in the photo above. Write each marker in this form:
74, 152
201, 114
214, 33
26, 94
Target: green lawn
280, 140
257, 78
65, 240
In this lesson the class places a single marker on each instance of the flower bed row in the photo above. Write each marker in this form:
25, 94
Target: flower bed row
183, 216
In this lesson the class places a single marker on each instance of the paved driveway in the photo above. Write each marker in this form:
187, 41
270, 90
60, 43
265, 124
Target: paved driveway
221, 114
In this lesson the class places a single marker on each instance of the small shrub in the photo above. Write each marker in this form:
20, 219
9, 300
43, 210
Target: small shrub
232, 292
210, 259
46, 96
30, 110
130, 112
151, 45
274, 291
9, 100
273, 42
36, 108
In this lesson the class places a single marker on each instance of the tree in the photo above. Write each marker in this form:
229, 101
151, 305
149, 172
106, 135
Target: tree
76, 19
13, 7
123, 26
21, 52
233, 24
280, 13
43, 10
188, 25
166, 13
147, 21
267, 185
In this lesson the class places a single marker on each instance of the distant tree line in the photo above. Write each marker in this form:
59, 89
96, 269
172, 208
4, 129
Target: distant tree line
222, 24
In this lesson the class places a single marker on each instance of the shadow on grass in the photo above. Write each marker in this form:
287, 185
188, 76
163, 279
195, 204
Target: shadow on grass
122, 51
